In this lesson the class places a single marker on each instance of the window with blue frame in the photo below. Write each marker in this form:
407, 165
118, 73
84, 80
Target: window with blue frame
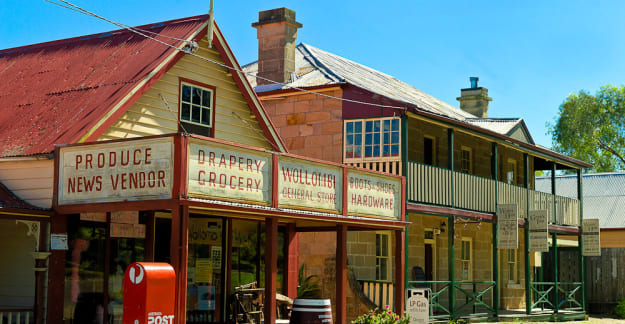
372, 139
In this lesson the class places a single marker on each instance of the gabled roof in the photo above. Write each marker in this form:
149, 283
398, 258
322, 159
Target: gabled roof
68, 90
603, 195
315, 67
503, 126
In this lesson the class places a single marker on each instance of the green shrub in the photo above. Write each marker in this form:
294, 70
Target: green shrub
308, 287
385, 316
619, 310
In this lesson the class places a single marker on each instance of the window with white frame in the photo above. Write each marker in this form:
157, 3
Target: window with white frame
372, 139
382, 256
466, 257
196, 108
512, 265
466, 155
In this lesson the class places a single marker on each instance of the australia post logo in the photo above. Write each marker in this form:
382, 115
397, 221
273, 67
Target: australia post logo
136, 274
159, 318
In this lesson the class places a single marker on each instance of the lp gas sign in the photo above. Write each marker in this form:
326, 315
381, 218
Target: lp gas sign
418, 305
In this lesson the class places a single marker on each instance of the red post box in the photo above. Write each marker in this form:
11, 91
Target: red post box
149, 293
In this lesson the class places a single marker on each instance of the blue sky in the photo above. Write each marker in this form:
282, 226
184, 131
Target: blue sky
529, 54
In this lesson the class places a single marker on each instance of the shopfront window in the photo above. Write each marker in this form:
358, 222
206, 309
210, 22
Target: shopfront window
84, 279
86, 299
204, 269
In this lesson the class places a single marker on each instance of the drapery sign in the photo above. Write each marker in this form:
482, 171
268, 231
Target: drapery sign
591, 237
507, 226
418, 305
119, 171
539, 234
228, 173
373, 195
309, 185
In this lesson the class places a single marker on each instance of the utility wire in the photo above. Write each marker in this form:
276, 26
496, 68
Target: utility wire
189, 51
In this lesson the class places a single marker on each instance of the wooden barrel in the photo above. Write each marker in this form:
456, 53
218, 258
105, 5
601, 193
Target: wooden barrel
311, 311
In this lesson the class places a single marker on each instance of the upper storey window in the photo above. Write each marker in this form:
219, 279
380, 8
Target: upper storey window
197, 104
372, 139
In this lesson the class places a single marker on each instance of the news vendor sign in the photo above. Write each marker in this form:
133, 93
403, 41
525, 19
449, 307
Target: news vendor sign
373, 195
228, 172
309, 185
116, 171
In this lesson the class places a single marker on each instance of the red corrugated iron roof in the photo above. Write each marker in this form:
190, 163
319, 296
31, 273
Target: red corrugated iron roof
55, 92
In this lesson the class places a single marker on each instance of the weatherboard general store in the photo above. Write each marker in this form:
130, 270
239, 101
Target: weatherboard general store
148, 152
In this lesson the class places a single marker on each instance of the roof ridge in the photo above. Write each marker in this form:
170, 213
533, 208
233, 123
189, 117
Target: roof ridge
315, 62
11, 50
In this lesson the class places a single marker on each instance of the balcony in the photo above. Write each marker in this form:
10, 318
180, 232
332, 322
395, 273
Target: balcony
443, 187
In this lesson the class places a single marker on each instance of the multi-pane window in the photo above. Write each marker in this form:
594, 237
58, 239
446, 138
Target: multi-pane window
465, 159
466, 259
372, 139
353, 140
512, 265
381, 256
196, 105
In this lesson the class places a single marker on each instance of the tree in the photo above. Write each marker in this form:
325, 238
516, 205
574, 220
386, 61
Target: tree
592, 128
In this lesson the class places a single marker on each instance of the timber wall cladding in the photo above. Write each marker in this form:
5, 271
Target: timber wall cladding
17, 277
31, 181
151, 116
605, 278
310, 125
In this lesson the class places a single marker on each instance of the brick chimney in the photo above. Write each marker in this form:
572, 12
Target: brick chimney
276, 32
475, 100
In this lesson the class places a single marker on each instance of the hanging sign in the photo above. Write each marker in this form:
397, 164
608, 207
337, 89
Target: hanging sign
229, 173
309, 185
591, 237
127, 230
204, 231
418, 305
93, 217
373, 195
507, 226
539, 231
125, 217
117, 171
58, 241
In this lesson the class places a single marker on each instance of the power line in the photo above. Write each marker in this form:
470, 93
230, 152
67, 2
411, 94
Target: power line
189, 51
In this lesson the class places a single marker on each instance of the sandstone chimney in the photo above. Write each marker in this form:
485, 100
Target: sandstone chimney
474, 100
276, 32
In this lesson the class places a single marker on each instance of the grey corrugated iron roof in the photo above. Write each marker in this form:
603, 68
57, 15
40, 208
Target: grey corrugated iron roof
604, 195
316, 67
499, 125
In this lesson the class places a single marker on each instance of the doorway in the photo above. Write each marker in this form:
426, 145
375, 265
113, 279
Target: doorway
429, 245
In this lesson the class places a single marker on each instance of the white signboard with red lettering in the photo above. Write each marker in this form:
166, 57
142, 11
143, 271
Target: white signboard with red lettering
373, 195
119, 171
230, 173
309, 185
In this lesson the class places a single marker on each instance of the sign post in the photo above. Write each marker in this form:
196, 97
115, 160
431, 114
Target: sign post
418, 305
538, 230
507, 226
591, 237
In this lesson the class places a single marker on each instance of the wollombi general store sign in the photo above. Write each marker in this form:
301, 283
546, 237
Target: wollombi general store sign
118, 171
309, 185
212, 171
